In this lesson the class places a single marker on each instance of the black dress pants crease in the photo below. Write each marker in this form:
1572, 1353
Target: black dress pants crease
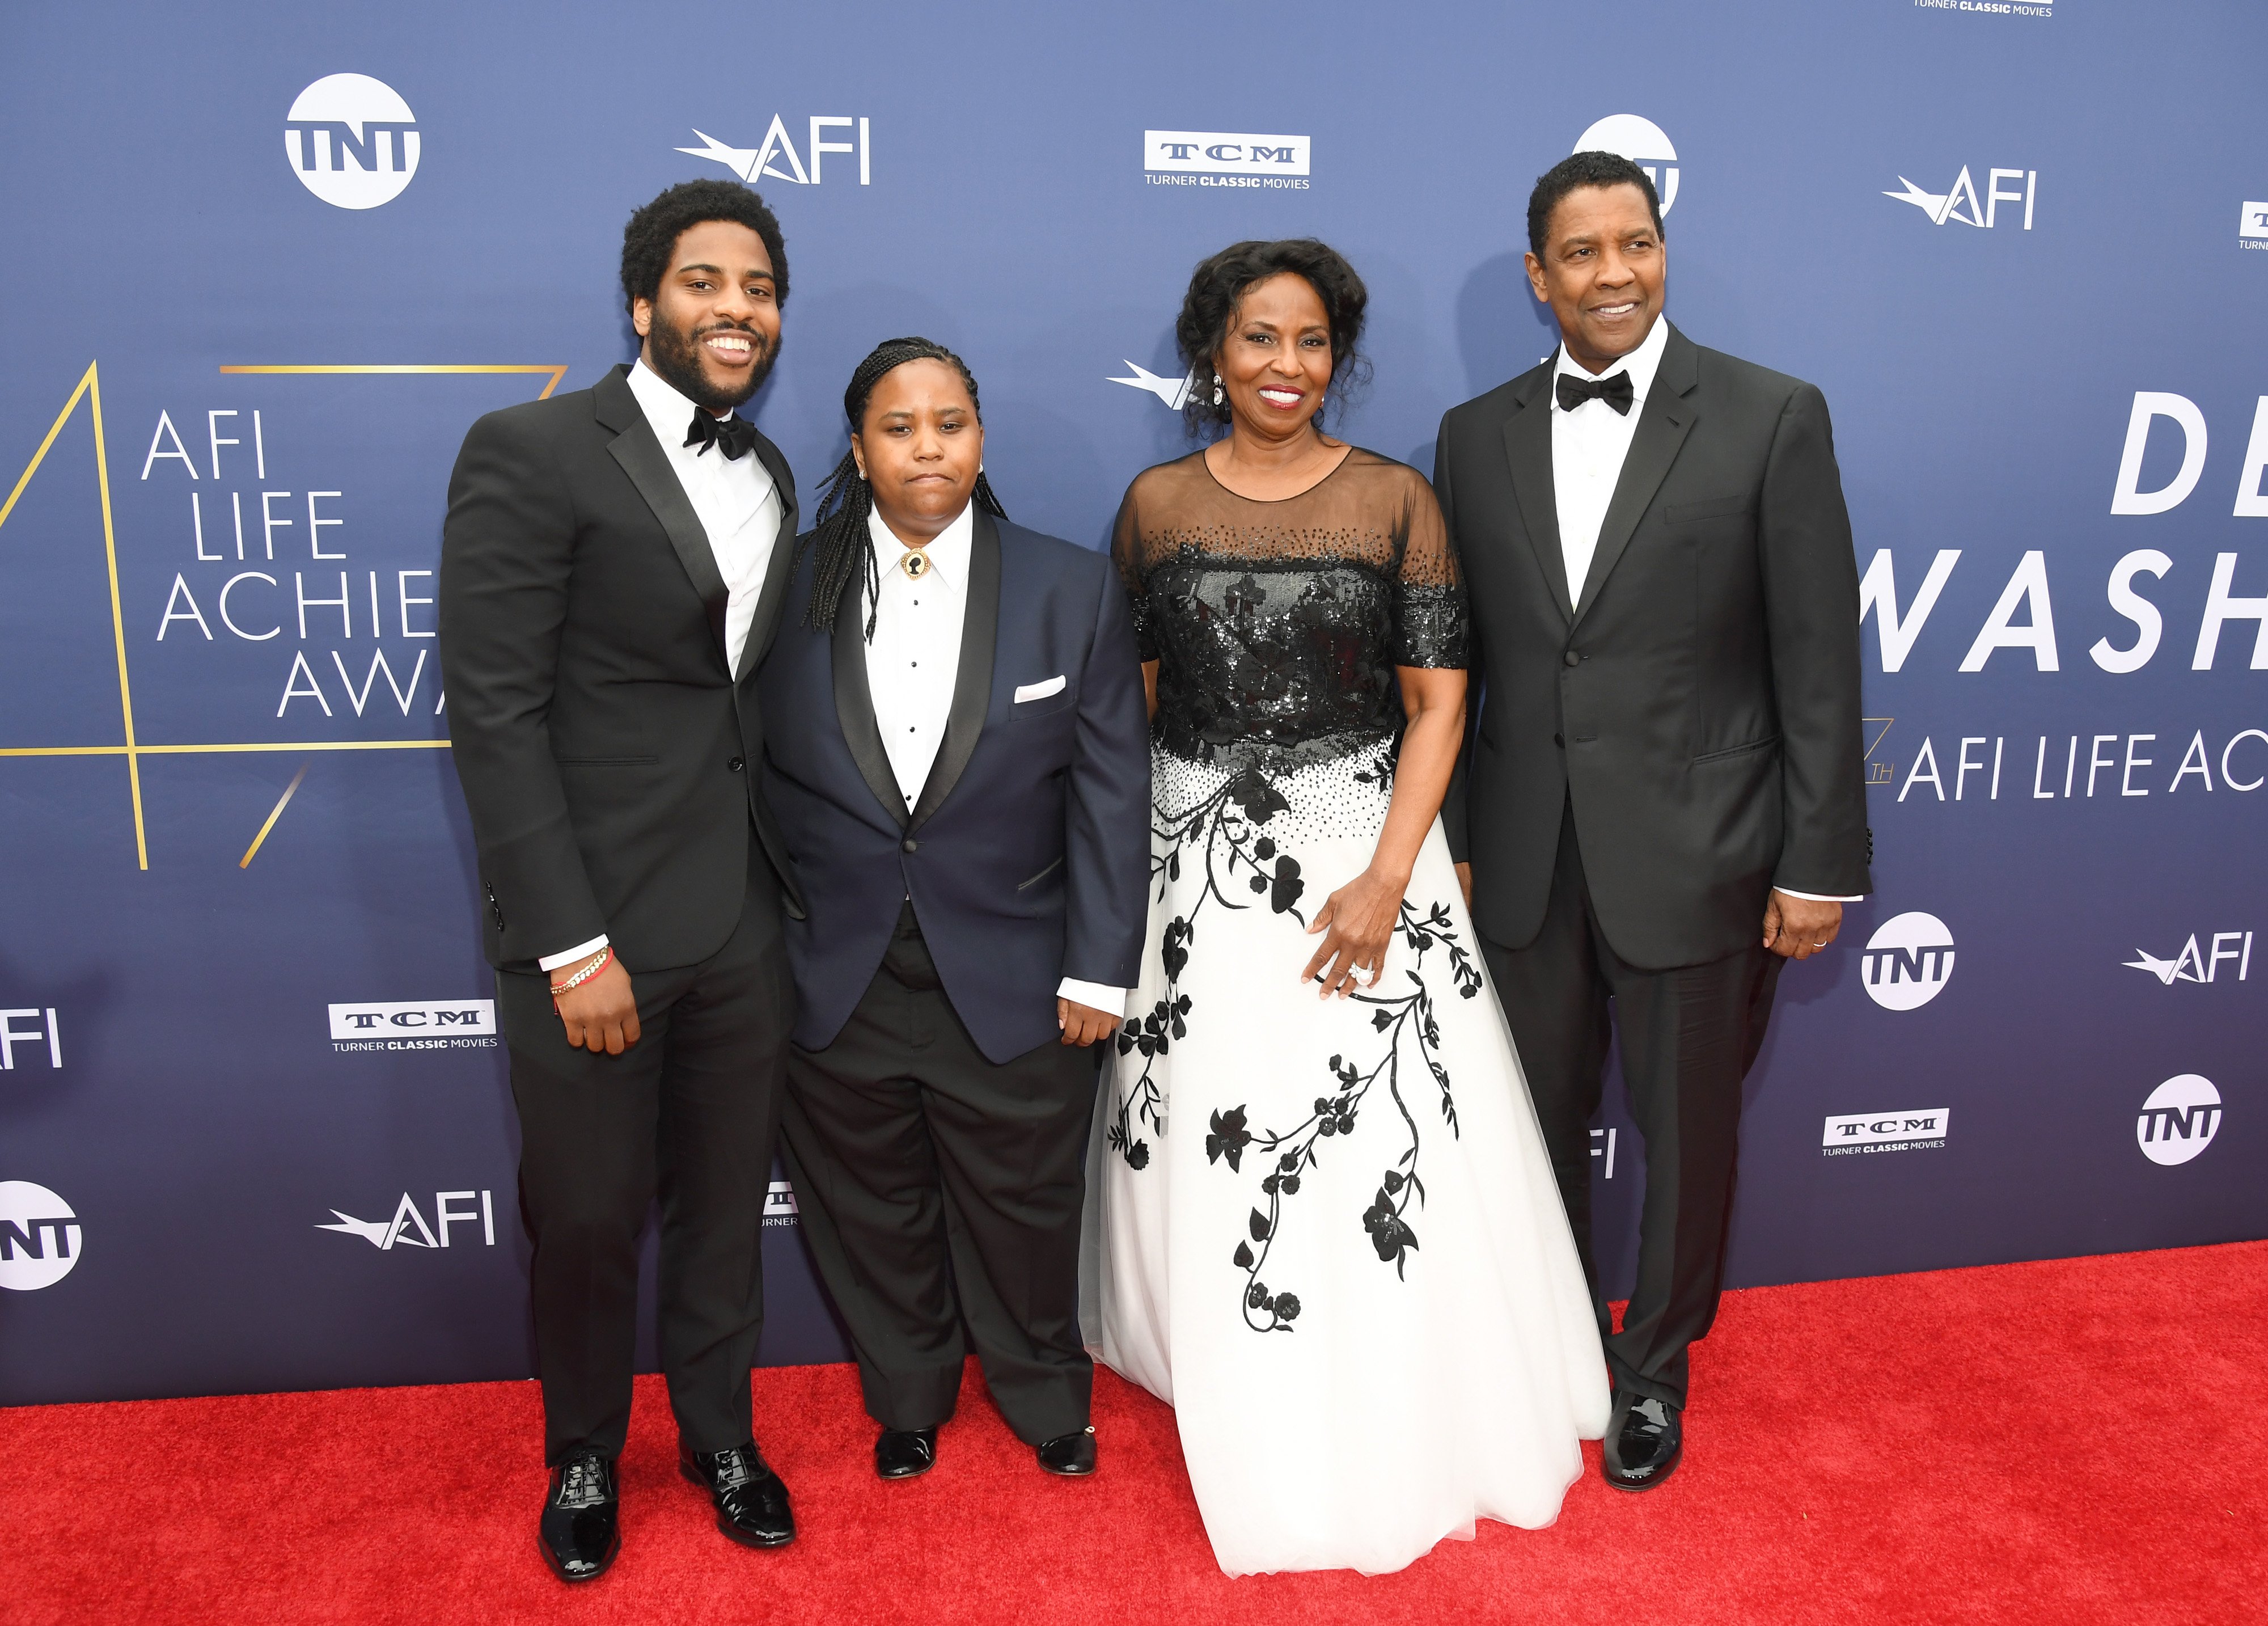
1688, 1036
938, 1189
689, 1113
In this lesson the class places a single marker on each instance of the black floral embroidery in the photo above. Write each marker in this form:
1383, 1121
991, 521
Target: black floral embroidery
1223, 834
1403, 1016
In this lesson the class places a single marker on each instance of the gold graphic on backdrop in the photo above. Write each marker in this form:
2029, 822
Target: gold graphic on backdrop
1879, 772
90, 388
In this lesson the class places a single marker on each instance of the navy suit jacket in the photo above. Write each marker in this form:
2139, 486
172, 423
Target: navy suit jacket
1026, 855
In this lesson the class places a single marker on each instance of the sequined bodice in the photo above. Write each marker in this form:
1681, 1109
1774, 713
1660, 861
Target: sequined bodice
1276, 625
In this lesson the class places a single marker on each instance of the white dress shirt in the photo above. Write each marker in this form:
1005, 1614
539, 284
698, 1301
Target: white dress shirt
911, 664
739, 507
1588, 446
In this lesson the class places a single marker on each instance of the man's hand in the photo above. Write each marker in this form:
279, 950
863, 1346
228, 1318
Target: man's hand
1083, 1024
603, 1013
1796, 928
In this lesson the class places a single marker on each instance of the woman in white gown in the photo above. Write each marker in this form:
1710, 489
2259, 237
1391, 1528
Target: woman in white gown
1321, 1222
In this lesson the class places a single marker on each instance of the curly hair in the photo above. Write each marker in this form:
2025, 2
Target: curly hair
652, 235
1585, 169
839, 533
1217, 289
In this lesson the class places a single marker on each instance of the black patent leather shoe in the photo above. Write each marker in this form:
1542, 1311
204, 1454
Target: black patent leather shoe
750, 1499
1645, 1440
1070, 1454
581, 1529
901, 1453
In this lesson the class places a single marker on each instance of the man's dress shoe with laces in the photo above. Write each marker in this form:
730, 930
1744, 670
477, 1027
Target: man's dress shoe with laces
1644, 1439
751, 1502
1070, 1454
900, 1454
581, 1528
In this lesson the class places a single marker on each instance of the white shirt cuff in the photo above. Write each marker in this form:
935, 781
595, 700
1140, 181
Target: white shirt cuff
1819, 897
580, 951
1100, 996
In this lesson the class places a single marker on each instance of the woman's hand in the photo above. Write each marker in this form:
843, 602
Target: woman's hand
1360, 916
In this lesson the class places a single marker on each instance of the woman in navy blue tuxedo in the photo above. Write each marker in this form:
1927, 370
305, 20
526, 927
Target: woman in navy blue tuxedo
960, 767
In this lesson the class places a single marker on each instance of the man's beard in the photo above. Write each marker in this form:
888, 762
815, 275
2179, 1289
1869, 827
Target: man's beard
675, 354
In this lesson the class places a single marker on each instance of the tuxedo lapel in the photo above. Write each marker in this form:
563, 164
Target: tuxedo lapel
1527, 446
765, 625
972, 684
854, 701
1664, 422
640, 455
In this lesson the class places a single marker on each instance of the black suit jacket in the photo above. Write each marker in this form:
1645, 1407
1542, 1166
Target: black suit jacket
1026, 853
1696, 699
607, 754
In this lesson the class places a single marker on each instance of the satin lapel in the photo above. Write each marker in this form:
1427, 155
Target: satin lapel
854, 702
1664, 422
642, 458
972, 684
1527, 446
765, 625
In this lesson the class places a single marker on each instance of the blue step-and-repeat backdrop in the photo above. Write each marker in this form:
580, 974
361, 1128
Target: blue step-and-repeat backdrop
266, 262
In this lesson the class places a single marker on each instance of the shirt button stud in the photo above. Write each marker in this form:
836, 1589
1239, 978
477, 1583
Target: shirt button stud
1573, 658
736, 766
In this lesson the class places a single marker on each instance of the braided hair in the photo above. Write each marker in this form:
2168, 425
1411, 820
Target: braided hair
841, 536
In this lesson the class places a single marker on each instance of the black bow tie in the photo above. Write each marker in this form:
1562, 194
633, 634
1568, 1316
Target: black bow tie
734, 436
1616, 391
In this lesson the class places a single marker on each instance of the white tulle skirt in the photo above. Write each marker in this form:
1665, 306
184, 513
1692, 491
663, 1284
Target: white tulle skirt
1326, 1232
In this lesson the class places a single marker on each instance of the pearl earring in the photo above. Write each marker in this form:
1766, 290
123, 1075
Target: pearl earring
1219, 395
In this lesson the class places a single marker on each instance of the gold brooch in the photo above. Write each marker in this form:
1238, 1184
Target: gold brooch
914, 565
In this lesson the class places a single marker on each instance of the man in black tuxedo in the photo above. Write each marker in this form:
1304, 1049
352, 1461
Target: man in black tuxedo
612, 568
1662, 794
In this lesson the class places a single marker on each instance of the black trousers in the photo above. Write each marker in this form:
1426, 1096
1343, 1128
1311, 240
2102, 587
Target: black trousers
690, 1113
938, 1189
1688, 1036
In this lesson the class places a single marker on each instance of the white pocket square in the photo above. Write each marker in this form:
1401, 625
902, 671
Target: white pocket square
1040, 691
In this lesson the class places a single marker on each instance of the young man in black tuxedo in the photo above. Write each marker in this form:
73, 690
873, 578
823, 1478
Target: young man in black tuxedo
1661, 795
611, 569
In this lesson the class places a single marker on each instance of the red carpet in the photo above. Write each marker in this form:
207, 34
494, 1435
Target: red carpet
2072, 1441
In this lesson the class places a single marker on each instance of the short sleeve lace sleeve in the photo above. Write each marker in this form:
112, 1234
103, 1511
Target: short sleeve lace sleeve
1126, 551
1430, 621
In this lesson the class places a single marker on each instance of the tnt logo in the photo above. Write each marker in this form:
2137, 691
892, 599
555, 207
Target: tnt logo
24, 1026
1641, 141
2179, 1119
1907, 962
38, 1237
352, 141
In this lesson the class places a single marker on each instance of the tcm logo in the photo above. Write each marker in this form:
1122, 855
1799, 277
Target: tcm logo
1965, 206
2192, 965
2128, 496
1884, 1132
1907, 962
408, 1228
1625, 135
1218, 158
777, 147
2252, 227
352, 141
2178, 1122
421, 1024
24, 1026
38, 1237
779, 1204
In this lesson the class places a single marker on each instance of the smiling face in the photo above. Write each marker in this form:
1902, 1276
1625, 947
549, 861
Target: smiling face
920, 447
714, 329
1602, 272
1275, 363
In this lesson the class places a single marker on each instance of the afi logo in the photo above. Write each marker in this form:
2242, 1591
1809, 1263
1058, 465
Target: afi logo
1907, 962
1625, 135
352, 141
23, 1026
38, 1237
2190, 966
2179, 1119
1964, 205
764, 159
1172, 391
417, 1019
409, 1228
